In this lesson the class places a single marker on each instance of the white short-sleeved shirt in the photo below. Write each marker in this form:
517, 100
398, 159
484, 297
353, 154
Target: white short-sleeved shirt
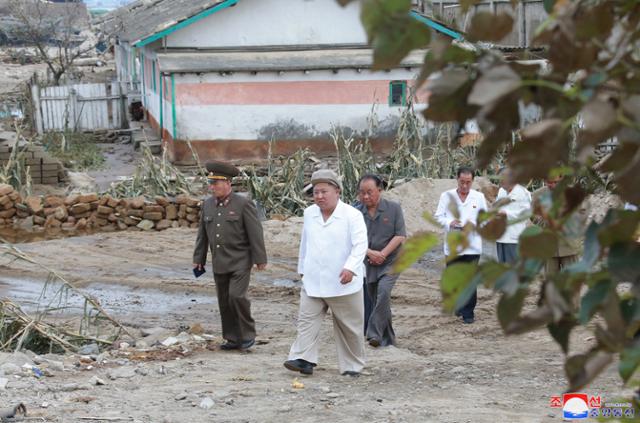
328, 247
474, 203
518, 207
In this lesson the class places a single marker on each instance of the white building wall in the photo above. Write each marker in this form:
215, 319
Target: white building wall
153, 105
167, 115
198, 121
275, 22
264, 122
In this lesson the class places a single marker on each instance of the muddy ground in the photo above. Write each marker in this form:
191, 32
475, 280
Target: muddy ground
440, 371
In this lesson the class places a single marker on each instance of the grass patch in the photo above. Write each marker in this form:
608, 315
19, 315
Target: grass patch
77, 151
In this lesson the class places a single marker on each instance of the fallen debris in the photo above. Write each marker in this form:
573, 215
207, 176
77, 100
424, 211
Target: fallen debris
155, 176
126, 372
11, 413
32, 331
95, 380
207, 403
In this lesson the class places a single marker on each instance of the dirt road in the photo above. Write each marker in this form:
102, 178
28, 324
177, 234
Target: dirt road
441, 370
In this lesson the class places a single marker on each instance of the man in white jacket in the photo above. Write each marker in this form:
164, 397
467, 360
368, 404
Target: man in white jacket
468, 203
518, 208
331, 263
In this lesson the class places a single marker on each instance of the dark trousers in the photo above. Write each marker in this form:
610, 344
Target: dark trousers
235, 308
507, 253
378, 323
368, 306
467, 310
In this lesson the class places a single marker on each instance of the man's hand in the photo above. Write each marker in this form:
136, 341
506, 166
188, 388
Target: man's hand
376, 257
346, 276
198, 266
261, 266
456, 224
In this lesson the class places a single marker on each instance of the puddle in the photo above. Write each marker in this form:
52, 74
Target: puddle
286, 283
19, 236
115, 299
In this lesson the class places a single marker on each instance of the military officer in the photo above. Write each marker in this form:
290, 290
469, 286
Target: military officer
567, 249
230, 228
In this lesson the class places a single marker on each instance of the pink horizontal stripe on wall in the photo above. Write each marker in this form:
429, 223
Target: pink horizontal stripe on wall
283, 92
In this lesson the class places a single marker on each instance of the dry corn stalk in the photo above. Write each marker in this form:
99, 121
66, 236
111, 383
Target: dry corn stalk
15, 172
280, 191
153, 176
355, 159
16, 325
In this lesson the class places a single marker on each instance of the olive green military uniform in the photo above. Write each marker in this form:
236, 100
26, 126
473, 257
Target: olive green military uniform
567, 249
230, 228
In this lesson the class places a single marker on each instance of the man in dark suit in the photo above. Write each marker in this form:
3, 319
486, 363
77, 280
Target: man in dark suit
230, 228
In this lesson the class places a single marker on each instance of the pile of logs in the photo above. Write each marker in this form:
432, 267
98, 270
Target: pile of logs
93, 211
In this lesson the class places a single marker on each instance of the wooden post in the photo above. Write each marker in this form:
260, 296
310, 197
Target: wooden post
522, 24
116, 106
37, 112
73, 108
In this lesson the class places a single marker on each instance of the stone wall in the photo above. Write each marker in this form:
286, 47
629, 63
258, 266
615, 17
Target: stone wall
97, 212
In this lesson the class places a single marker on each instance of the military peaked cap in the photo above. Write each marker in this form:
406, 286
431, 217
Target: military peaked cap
221, 171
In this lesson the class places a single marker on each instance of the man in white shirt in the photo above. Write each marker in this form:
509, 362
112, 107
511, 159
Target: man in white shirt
517, 207
331, 262
469, 203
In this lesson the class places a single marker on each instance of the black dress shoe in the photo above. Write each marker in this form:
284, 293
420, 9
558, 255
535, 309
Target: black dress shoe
374, 342
247, 344
300, 365
351, 373
468, 320
227, 346
458, 313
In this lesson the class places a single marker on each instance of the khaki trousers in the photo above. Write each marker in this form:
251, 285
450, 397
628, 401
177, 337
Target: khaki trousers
556, 264
348, 321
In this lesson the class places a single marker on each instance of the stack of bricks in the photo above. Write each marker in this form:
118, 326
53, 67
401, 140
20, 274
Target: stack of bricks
96, 212
43, 168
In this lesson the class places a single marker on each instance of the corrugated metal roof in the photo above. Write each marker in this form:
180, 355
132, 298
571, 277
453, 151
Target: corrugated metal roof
265, 61
145, 18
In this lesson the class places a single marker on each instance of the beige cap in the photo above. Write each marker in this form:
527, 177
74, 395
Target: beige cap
327, 176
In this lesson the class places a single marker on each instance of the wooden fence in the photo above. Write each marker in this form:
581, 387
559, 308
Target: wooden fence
527, 14
79, 107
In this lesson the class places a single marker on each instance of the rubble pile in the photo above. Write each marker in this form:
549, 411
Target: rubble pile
93, 211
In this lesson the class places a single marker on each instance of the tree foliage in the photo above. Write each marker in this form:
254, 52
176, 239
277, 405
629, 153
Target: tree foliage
587, 93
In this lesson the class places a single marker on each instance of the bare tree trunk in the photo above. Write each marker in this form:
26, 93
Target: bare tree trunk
39, 30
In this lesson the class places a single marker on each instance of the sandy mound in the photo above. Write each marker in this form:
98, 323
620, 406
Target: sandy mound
282, 237
419, 196
599, 203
